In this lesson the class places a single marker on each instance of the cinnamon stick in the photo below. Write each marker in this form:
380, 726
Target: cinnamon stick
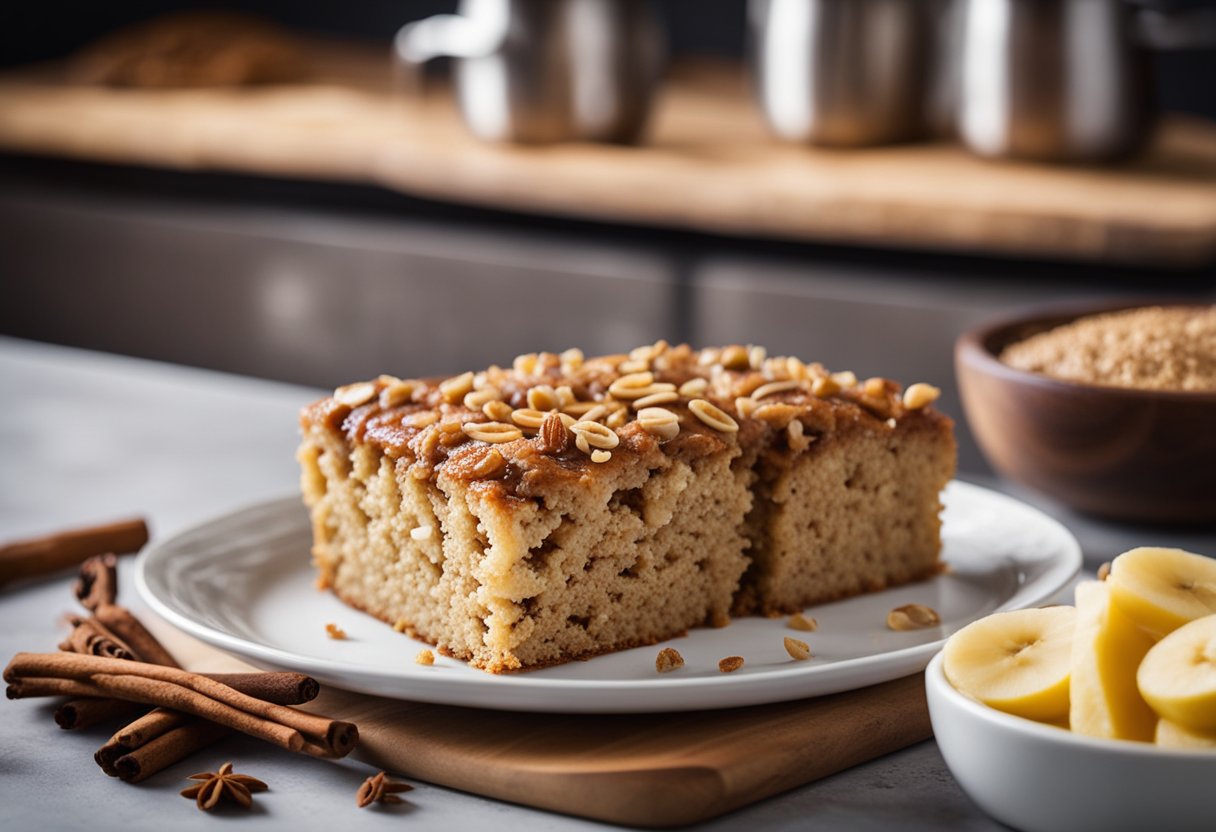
97, 584
52, 674
167, 749
280, 688
50, 553
91, 637
150, 726
127, 627
85, 713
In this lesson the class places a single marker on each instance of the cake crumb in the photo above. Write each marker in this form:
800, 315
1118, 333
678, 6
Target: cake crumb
425, 657
912, 617
335, 632
730, 664
799, 651
669, 659
399, 625
798, 621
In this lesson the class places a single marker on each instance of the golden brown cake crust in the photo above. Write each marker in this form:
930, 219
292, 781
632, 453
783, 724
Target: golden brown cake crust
397, 432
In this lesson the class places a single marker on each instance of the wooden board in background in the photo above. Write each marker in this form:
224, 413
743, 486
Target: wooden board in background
708, 166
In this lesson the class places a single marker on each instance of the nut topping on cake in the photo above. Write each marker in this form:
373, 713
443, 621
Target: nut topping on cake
705, 485
713, 416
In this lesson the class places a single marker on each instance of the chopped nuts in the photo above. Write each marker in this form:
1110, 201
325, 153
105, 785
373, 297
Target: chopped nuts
735, 358
875, 388
617, 419
543, 397
492, 432
479, 398
489, 466
528, 418
694, 387
712, 416
425, 657
600, 456
456, 388
335, 632
825, 387
745, 406
595, 413
580, 408
525, 364
565, 395
498, 411
553, 434
353, 395
777, 415
912, 617
421, 419
798, 621
799, 651
596, 435
422, 533
397, 393
794, 436
920, 395
774, 387
659, 422
632, 386
1104, 571
669, 659
756, 356
730, 664
571, 360
400, 625
634, 365
662, 397
846, 378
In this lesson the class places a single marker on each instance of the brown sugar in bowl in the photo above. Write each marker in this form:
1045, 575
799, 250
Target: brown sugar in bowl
1120, 453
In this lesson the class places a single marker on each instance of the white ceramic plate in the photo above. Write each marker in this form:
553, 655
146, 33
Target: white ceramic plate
244, 583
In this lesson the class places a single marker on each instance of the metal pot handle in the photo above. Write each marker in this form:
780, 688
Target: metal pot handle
477, 34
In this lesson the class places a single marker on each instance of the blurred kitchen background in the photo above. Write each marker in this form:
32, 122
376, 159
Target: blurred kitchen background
335, 226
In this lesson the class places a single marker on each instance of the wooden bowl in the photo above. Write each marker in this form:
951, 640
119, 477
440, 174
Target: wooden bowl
1136, 455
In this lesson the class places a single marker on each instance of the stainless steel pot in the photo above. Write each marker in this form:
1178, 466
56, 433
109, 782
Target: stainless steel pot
540, 71
1063, 80
846, 72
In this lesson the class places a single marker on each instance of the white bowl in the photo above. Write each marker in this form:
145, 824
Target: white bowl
1041, 779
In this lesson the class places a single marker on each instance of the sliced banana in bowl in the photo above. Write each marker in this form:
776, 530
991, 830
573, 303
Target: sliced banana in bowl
1098, 716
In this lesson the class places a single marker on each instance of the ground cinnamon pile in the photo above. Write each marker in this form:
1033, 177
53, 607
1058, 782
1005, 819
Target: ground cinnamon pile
1148, 348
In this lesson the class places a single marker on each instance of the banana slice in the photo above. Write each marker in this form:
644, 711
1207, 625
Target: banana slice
1173, 735
1106, 651
1162, 589
1178, 676
1017, 662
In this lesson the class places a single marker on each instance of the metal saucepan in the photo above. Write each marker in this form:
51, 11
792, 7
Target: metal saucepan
541, 71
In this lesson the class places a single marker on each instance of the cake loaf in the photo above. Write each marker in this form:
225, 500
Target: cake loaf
564, 507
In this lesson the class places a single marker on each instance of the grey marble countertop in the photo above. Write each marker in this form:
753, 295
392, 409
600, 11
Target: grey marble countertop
87, 437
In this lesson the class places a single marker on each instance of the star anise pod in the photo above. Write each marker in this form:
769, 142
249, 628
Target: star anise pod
223, 785
379, 789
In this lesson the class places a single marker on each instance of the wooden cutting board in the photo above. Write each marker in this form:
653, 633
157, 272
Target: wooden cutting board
633, 769
708, 165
